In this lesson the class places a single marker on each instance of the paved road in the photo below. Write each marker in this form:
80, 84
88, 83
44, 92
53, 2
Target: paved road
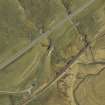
24, 50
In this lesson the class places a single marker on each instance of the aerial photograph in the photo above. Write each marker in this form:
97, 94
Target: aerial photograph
52, 52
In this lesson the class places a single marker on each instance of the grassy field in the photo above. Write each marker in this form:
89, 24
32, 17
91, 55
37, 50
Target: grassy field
91, 91
22, 22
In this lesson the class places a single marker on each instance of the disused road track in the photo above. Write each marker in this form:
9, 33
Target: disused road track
31, 45
69, 63
23, 51
62, 73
